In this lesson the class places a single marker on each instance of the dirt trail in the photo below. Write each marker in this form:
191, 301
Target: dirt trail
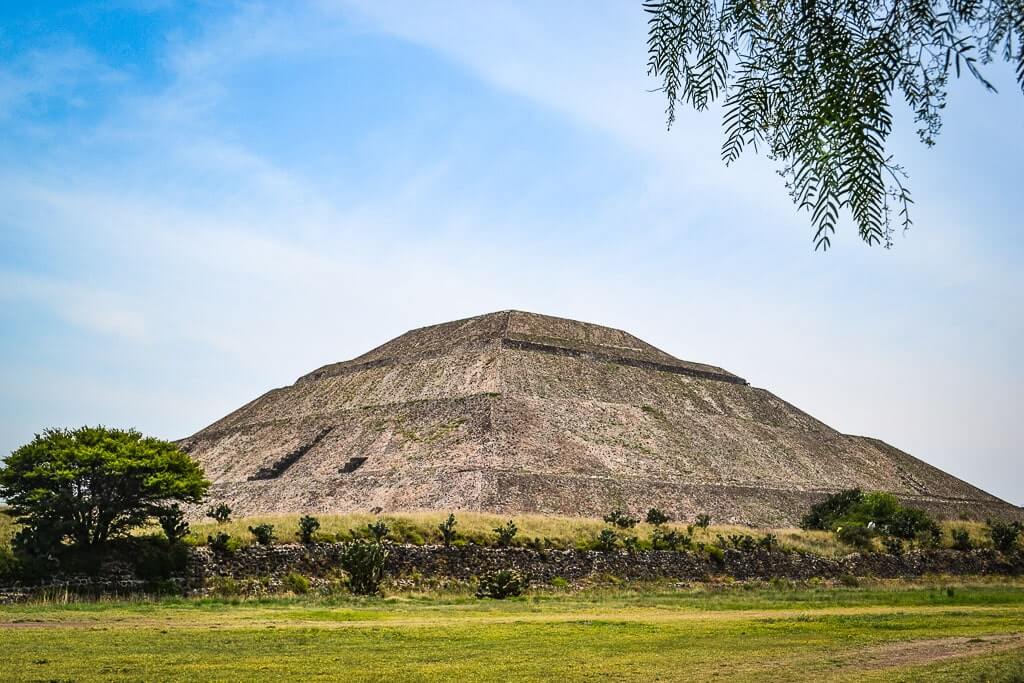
922, 652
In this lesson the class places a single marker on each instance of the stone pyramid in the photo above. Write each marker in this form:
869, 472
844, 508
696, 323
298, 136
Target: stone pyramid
516, 412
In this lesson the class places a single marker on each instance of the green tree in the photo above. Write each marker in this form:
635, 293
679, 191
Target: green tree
91, 484
811, 84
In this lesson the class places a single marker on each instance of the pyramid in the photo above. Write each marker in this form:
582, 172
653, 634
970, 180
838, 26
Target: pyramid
515, 412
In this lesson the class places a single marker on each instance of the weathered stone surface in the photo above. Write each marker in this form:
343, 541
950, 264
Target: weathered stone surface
269, 565
514, 412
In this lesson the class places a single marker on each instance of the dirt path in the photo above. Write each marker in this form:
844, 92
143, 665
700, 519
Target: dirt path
929, 651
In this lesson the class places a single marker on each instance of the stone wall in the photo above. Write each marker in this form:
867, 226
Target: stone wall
320, 560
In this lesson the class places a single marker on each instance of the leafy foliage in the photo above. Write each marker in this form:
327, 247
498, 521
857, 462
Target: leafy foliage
378, 530
1004, 535
858, 517
669, 539
264, 533
620, 519
220, 514
504, 583
219, 542
308, 526
447, 529
607, 540
92, 484
506, 532
172, 521
703, 521
364, 561
296, 583
657, 517
812, 84
823, 515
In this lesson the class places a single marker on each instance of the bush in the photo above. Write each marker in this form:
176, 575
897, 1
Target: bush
559, 583
1004, 535
378, 530
296, 583
715, 554
823, 515
447, 529
504, 583
857, 535
657, 517
893, 545
264, 533
631, 543
172, 521
219, 543
742, 542
220, 514
961, 539
363, 561
768, 542
663, 539
911, 523
308, 526
506, 533
620, 519
8, 564
607, 540
703, 521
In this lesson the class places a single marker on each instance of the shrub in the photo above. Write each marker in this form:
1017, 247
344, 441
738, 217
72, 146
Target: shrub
631, 543
8, 563
823, 515
857, 535
663, 539
1004, 535
559, 583
296, 583
715, 554
607, 540
742, 542
911, 523
703, 521
264, 533
506, 533
768, 542
620, 519
363, 561
308, 526
657, 517
172, 521
219, 543
893, 545
447, 529
220, 514
378, 530
961, 539
504, 583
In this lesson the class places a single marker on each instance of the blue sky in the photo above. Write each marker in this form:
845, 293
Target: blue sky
202, 201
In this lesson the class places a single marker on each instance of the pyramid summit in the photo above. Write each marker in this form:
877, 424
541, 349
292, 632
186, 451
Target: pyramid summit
516, 412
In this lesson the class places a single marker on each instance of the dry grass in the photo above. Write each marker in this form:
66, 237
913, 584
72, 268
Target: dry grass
420, 527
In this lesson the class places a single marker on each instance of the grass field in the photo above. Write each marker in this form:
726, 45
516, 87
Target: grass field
887, 632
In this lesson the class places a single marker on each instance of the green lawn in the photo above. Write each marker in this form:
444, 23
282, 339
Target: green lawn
973, 632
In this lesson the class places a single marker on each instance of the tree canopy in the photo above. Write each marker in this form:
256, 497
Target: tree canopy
811, 83
91, 484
